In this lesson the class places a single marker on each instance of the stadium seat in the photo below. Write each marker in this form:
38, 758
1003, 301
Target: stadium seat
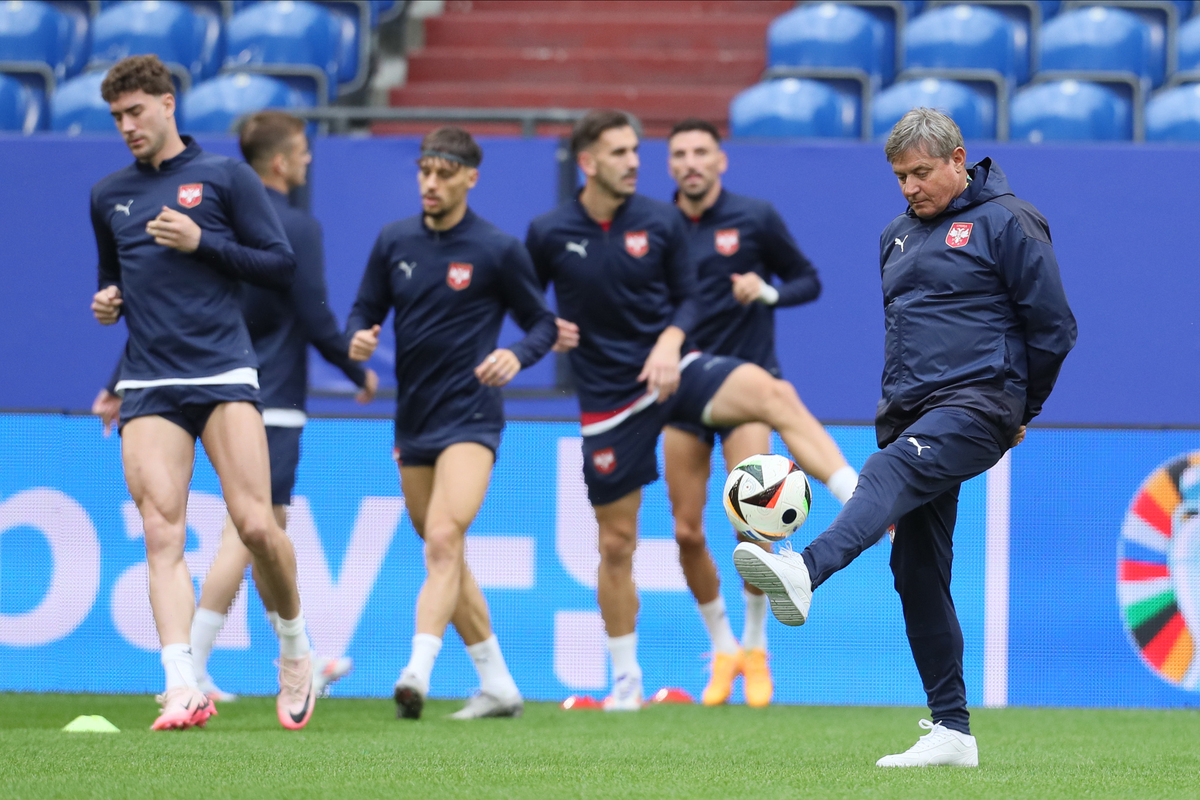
297, 41
1105, 40
974, 112
188, 42
1188, 41
1070, 110
38, 39
795, 107
968, 37
1174, 115
77, 106
213, 106
831, 35
354, 18
20, 109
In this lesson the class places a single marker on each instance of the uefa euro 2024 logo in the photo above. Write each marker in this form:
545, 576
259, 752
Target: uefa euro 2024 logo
1158, 571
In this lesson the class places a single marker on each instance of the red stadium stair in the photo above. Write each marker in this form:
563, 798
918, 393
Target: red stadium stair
660, 59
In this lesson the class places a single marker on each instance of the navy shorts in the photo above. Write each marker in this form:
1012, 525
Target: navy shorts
709, 435
188, 406
283, 445
621, 458
423, 450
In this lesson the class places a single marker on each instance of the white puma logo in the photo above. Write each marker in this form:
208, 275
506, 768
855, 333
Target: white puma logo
915, 443
578, 247
118, 207
900, 242
407, 268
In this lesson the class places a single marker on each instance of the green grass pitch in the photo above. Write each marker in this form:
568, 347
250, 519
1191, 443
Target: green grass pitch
357, 749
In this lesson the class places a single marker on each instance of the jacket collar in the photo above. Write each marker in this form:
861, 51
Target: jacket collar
190, 151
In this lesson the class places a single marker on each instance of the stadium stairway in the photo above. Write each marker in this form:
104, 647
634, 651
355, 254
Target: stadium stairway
660, 59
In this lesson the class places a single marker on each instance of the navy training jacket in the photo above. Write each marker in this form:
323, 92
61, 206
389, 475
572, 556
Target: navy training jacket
974, 310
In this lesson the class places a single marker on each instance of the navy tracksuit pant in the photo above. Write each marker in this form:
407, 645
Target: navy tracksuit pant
913, 483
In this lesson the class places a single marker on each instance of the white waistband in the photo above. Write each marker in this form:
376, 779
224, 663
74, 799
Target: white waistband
241, 375
643, 402
284, 418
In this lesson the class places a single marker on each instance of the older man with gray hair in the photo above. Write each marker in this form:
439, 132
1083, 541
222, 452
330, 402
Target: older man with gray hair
977, 327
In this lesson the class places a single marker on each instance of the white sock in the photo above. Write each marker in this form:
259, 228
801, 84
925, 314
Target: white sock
841, 483
206, 625
293, 638
425, 649
273, 618
623, 650
717, 622
177, 663
494, 677
754, 632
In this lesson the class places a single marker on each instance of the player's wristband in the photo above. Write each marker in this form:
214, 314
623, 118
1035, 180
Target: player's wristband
768, 295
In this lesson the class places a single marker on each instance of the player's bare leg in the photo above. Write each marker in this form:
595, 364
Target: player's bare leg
742, 442
687, 471
158, 456
236, 443
751, 394
618, 599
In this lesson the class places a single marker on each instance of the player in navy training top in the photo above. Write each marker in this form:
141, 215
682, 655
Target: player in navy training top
176, 233
450, 277
626, 297
737, 244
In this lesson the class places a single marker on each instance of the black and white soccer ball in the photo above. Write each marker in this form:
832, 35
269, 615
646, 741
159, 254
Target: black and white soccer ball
767, 498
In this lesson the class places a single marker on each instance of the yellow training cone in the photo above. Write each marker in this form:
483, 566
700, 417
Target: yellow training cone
93, 724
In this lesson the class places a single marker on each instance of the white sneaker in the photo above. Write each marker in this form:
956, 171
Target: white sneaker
940, 747
483, 704
205, 684
783, 576
626, 693
410, 696
327, 671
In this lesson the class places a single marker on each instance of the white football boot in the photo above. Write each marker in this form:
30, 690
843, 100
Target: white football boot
327, 671
940, 747
626, 693
783, 576
409, 694
484, 704
205, 684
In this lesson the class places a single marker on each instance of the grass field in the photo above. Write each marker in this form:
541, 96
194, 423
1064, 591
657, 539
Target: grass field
355, 748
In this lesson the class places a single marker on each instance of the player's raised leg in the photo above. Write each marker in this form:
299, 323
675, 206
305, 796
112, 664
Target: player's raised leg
618, 599
158, 456
687, 458
236, 443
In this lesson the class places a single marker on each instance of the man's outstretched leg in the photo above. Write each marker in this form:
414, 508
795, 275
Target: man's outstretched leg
236, 443
158, 456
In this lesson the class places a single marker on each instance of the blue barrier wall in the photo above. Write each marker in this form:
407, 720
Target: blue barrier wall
1119, 216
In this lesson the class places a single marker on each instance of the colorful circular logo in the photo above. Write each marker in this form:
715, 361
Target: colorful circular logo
1158, 571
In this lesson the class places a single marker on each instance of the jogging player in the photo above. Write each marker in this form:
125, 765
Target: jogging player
976, 329
450, 277
177, 231
737, 245
625, 289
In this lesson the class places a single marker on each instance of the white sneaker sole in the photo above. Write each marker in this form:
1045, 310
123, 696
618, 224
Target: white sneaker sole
757, 571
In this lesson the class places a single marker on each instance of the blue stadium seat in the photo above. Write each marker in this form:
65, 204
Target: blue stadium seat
1188, 41
188, 42
1070, 110
1106, 40
295, 40
974, 112
795, 107
20, 109
77, 106
968, 37
1174, 115
213, 106
831, 35
37, 38
352, 17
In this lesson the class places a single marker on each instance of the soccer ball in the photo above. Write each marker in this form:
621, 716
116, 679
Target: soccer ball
767, 498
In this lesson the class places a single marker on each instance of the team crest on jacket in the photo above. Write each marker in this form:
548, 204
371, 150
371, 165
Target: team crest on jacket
190, 194
458, 277
637, 243
727, 241
960, 234
605, 460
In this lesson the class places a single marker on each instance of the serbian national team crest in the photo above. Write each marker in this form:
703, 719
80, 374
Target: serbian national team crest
458, 277
960, 234
637, 243
190, 194
727, 241
605, 461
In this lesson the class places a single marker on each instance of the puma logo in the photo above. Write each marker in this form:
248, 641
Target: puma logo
407, 268
917, 444
125, 208
900, 242
578, 247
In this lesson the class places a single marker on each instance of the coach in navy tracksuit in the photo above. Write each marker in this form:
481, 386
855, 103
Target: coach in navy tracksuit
977, 327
